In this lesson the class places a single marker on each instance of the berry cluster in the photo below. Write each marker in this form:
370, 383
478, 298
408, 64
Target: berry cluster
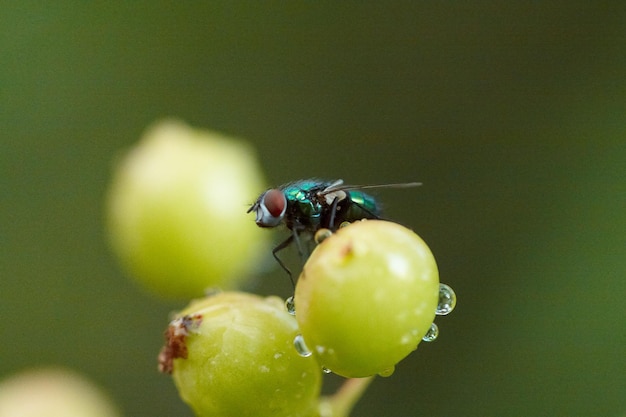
366, 297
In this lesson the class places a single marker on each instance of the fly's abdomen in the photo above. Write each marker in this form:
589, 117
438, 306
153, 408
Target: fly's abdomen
362, 206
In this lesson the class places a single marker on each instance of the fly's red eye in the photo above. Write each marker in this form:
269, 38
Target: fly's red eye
274, 201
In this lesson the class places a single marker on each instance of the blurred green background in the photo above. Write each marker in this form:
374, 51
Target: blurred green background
512, 114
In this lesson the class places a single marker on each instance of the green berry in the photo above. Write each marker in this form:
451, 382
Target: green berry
366, 297
53, 392
177, 210
232, 354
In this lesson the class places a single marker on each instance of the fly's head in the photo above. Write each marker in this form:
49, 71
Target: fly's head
270, 208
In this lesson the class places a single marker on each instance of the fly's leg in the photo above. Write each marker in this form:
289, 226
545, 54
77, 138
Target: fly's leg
303, 252
282, 246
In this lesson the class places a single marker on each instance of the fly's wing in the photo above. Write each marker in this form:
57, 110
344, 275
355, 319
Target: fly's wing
340, 186
338, 191
334, 186
335, 191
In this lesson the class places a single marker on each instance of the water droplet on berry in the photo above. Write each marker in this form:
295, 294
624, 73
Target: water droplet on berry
447, 300
431, 334
301, 347
326, 370
290, 305
344, 224
387, 372
321, 235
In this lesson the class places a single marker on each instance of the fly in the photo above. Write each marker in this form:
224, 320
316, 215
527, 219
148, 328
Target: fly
306, 206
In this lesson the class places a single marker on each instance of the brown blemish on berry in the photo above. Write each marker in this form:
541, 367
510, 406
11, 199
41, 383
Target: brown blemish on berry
175, 346
346, 250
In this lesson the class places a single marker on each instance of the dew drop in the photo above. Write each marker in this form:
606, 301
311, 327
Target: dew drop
321, 235
447, 300
344, 224
301, 347
290, 305
212, 291
326, 370
431, 334
387, 372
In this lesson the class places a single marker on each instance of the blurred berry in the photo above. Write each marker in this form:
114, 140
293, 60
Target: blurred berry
176, 210
232, 354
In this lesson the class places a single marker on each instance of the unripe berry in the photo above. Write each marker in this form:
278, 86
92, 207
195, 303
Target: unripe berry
53, 392
177, 210
366, 297
232, 354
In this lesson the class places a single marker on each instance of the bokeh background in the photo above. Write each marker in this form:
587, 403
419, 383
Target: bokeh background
512, 114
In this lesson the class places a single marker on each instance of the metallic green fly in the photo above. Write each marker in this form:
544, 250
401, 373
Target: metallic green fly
306, 206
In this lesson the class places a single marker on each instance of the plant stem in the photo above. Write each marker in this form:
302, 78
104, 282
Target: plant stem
341, 403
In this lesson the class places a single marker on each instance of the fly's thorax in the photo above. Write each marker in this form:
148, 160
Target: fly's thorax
304, 207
